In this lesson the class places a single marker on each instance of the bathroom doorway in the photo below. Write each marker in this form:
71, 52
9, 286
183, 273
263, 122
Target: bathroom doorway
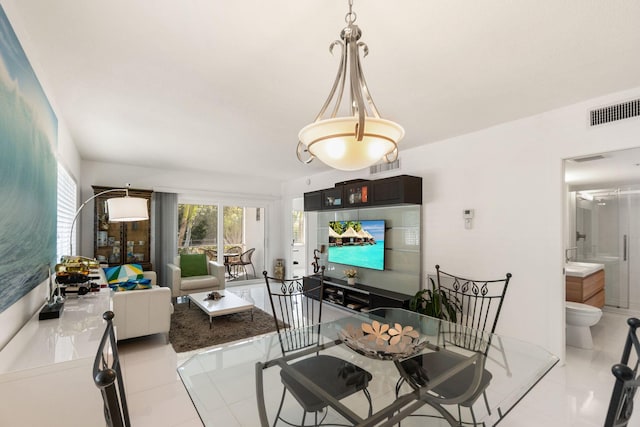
604, 220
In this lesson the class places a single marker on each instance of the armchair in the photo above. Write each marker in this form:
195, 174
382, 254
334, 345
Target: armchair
183, 284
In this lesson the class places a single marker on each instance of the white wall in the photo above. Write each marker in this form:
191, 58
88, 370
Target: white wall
512, 175
17, 315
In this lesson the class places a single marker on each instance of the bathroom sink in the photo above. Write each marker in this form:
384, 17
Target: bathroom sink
581, 269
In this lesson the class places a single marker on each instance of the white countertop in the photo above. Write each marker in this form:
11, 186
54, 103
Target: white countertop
581, 269
75, 335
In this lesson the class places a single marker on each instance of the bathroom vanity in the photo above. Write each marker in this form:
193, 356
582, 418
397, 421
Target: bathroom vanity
585, 283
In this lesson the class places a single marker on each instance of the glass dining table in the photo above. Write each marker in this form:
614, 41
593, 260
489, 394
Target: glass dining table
240, 384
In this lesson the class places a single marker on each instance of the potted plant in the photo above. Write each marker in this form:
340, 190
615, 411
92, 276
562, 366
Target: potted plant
351, 274
435, 303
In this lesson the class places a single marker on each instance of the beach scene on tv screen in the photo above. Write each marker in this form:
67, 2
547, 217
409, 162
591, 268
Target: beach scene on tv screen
357, 243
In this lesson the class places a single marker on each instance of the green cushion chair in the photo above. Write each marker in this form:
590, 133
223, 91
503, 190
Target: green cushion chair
193, 273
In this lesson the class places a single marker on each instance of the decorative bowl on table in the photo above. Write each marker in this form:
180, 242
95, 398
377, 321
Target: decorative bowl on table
382, 341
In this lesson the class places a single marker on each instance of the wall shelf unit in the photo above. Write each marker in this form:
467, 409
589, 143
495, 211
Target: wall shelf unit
401, 189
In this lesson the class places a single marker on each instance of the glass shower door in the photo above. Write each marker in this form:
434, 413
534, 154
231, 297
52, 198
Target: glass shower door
602, 236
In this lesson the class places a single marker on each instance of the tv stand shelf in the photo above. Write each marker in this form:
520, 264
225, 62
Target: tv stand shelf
356, 297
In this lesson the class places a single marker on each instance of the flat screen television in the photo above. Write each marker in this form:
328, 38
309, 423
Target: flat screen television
357, 243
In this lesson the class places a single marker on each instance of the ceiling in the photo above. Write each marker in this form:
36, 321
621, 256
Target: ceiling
225, 86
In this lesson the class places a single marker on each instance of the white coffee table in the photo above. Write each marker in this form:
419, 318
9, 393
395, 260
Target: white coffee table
228, 304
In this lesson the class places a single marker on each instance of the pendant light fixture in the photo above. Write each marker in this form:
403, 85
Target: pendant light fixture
360, 138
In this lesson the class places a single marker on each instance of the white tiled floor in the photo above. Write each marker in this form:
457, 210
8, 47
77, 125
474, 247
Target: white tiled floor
575, 395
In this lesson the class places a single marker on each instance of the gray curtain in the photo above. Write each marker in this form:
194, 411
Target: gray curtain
166, 233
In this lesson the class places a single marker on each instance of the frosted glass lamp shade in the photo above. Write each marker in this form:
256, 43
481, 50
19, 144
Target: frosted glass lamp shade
122, 209
334, 142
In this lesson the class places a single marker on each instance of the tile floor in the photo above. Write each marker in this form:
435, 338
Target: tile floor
574, 395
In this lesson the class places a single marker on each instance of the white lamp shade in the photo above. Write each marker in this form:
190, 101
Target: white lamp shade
333, 141
122, 209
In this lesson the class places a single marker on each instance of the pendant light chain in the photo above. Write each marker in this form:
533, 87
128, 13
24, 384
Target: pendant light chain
351, 16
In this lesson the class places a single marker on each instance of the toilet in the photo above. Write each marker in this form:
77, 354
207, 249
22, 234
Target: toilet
580, 318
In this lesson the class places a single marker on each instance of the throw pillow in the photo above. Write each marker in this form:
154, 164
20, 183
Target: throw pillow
123, 273
132, 285
193, 265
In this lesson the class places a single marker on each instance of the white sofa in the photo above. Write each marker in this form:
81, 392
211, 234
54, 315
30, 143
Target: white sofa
181, 286
142, 312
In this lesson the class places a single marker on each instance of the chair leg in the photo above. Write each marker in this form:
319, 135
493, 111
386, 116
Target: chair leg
486, 402
368, 396
284, 391
398, 385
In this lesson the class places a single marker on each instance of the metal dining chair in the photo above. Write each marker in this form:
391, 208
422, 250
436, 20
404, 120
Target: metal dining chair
627, 380
478, 304
295, 314
107, 376
243, 262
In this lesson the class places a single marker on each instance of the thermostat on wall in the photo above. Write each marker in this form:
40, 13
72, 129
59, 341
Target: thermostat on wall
467, 214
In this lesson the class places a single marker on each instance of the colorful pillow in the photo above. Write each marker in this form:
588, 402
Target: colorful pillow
193, 265
132, 285
123, 273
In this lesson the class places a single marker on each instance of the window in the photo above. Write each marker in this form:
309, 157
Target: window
239, 228
67, 203
298, 226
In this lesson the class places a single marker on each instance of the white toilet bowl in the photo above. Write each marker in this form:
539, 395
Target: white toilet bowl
580, 318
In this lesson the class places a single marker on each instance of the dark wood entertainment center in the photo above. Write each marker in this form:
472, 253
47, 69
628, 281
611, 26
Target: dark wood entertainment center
362, 194
355, 297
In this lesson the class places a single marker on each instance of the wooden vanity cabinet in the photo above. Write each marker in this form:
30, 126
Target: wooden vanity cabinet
587, 290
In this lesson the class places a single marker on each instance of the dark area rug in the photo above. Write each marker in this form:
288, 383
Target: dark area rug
190, 327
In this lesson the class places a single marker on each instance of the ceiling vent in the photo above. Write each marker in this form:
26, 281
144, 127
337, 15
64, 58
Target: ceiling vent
588, 158
616, 112
385, 166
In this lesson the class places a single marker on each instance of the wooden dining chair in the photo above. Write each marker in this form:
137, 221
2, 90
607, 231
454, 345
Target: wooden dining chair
478, 304
627, 380
299, 328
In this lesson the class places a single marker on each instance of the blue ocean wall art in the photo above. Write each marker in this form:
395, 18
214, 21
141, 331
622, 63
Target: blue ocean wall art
28, 173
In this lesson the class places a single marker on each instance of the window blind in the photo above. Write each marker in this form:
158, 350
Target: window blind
67, 203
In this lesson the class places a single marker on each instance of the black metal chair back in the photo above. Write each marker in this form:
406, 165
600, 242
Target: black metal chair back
627, 380
107, 376
477, 305
294, 309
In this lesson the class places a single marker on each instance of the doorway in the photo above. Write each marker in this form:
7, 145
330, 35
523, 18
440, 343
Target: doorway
298, 251
603, 213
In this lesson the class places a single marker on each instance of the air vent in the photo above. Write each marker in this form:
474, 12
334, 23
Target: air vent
616, 112
588, 159
383, 167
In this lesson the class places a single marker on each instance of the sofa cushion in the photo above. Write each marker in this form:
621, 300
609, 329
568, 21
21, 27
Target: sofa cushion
193, 265
200, 282
123, 273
